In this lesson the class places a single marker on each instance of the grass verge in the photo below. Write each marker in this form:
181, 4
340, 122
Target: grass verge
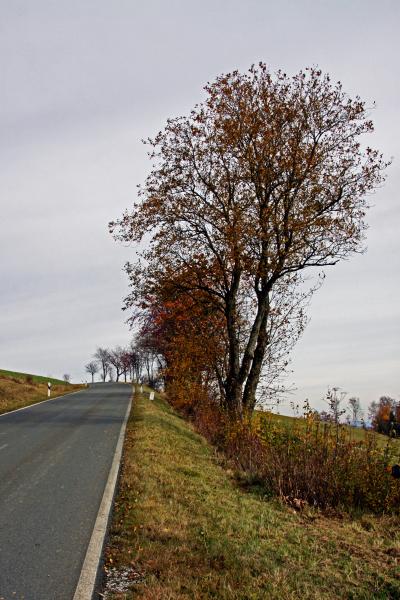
16, 392
183, 529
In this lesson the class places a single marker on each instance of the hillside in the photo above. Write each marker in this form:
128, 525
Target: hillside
35, 378
22, 389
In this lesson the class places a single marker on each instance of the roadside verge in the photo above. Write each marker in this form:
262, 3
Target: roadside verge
183, 529
33, 402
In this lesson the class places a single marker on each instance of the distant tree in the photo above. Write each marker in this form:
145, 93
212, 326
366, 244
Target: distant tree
67, 378
372, 410
110, 373
126, 363
136, 361
384, 418
102, 355
355, 409
148, 352
92, 368
263, 180
335, 398
116, 359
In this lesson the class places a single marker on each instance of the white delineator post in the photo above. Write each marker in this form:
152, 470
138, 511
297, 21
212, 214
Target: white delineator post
48, 389
151, 396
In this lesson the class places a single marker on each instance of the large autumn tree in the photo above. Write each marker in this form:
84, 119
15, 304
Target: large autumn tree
264, 179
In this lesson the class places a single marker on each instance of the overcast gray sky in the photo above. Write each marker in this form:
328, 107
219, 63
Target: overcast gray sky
83, 81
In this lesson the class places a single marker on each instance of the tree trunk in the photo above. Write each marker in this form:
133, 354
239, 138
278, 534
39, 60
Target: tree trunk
247, 373
249, 395
233, 388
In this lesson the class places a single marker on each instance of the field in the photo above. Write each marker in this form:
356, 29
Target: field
356, 433
183, 528
21, 389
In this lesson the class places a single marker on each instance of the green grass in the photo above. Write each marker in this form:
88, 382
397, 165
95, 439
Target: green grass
184, 529
35, 378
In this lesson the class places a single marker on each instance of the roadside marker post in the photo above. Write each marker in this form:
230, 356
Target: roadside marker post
49, 389
151, 395
141, 389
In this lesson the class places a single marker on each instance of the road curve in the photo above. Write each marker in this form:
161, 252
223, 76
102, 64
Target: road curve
55, 459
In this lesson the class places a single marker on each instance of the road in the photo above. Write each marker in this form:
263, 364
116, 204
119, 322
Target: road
55, 459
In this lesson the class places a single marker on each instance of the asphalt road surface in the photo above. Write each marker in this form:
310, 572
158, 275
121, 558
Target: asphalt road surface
55, 459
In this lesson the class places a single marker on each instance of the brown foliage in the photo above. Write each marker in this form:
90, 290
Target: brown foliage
264, 179
186, 332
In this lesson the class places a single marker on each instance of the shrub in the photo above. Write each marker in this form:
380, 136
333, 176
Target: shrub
317, 463
306, 462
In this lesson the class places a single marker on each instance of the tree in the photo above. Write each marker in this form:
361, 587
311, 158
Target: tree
355, 408
110, 373
384, 415
67, 378
372, 410
183, 336
115, 358
135, 362
103, 357
263, 180
126, 363
92, 368
335, 399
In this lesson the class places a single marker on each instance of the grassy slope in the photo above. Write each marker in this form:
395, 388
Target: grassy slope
15, 392
35, 378
182, 529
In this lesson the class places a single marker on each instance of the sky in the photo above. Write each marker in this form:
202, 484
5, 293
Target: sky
82, 82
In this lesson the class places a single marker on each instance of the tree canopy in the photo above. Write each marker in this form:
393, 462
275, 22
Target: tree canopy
264, 179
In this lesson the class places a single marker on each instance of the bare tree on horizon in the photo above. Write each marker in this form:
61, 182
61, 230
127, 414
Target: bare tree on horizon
92, 368
102, 355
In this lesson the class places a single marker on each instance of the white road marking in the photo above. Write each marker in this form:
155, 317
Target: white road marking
3, 446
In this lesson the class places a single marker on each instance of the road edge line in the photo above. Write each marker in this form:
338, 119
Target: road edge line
40, 402
87, 580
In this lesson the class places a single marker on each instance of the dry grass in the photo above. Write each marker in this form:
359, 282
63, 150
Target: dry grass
183, 529
16, 392
358, 434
